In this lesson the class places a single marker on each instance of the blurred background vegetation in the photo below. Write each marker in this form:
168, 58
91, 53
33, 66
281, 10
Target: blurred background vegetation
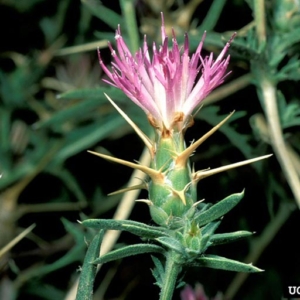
53, 109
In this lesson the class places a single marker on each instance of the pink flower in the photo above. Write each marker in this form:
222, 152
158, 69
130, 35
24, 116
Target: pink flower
197, 294
167, 86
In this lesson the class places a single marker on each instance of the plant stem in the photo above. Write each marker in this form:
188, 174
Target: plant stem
260, 20
279, 146
172, 270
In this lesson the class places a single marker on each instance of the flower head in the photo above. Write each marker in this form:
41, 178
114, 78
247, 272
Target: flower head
167, 86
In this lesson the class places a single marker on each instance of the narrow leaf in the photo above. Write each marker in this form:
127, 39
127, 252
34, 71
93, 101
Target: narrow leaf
108, 16
143, 232
210, 228
222, 263
97, 93
128, 251
171, 243
207, 231
85, 137
224, 238
212, 16
158, 272
88, 271
74, 112
133, 227
219, 209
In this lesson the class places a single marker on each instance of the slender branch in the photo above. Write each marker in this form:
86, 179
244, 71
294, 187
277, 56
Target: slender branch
46, 207
172, 269
18, 238
277, 140
260, 21
81, 48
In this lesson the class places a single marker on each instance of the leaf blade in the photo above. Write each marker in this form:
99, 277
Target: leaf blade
88, 271
128, 251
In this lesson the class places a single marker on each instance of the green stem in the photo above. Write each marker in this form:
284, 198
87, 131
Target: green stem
269, 98
260, 21
172, 270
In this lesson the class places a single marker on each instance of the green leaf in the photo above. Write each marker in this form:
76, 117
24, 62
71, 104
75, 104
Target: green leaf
204, 206
97, 93
128, 251
143, 232
206, 232
222, 263
290, 71
286, 40
289, 112
210, 228
105, 14
83, 138
224, 238
219, 209
171, 243
73, 112
52, 27
88, 271
158, 272
74, 230
133, 227
212, 16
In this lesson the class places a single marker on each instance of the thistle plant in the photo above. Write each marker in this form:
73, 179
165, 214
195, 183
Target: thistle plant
169, 86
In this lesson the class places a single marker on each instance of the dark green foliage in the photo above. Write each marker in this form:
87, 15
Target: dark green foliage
88, 269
